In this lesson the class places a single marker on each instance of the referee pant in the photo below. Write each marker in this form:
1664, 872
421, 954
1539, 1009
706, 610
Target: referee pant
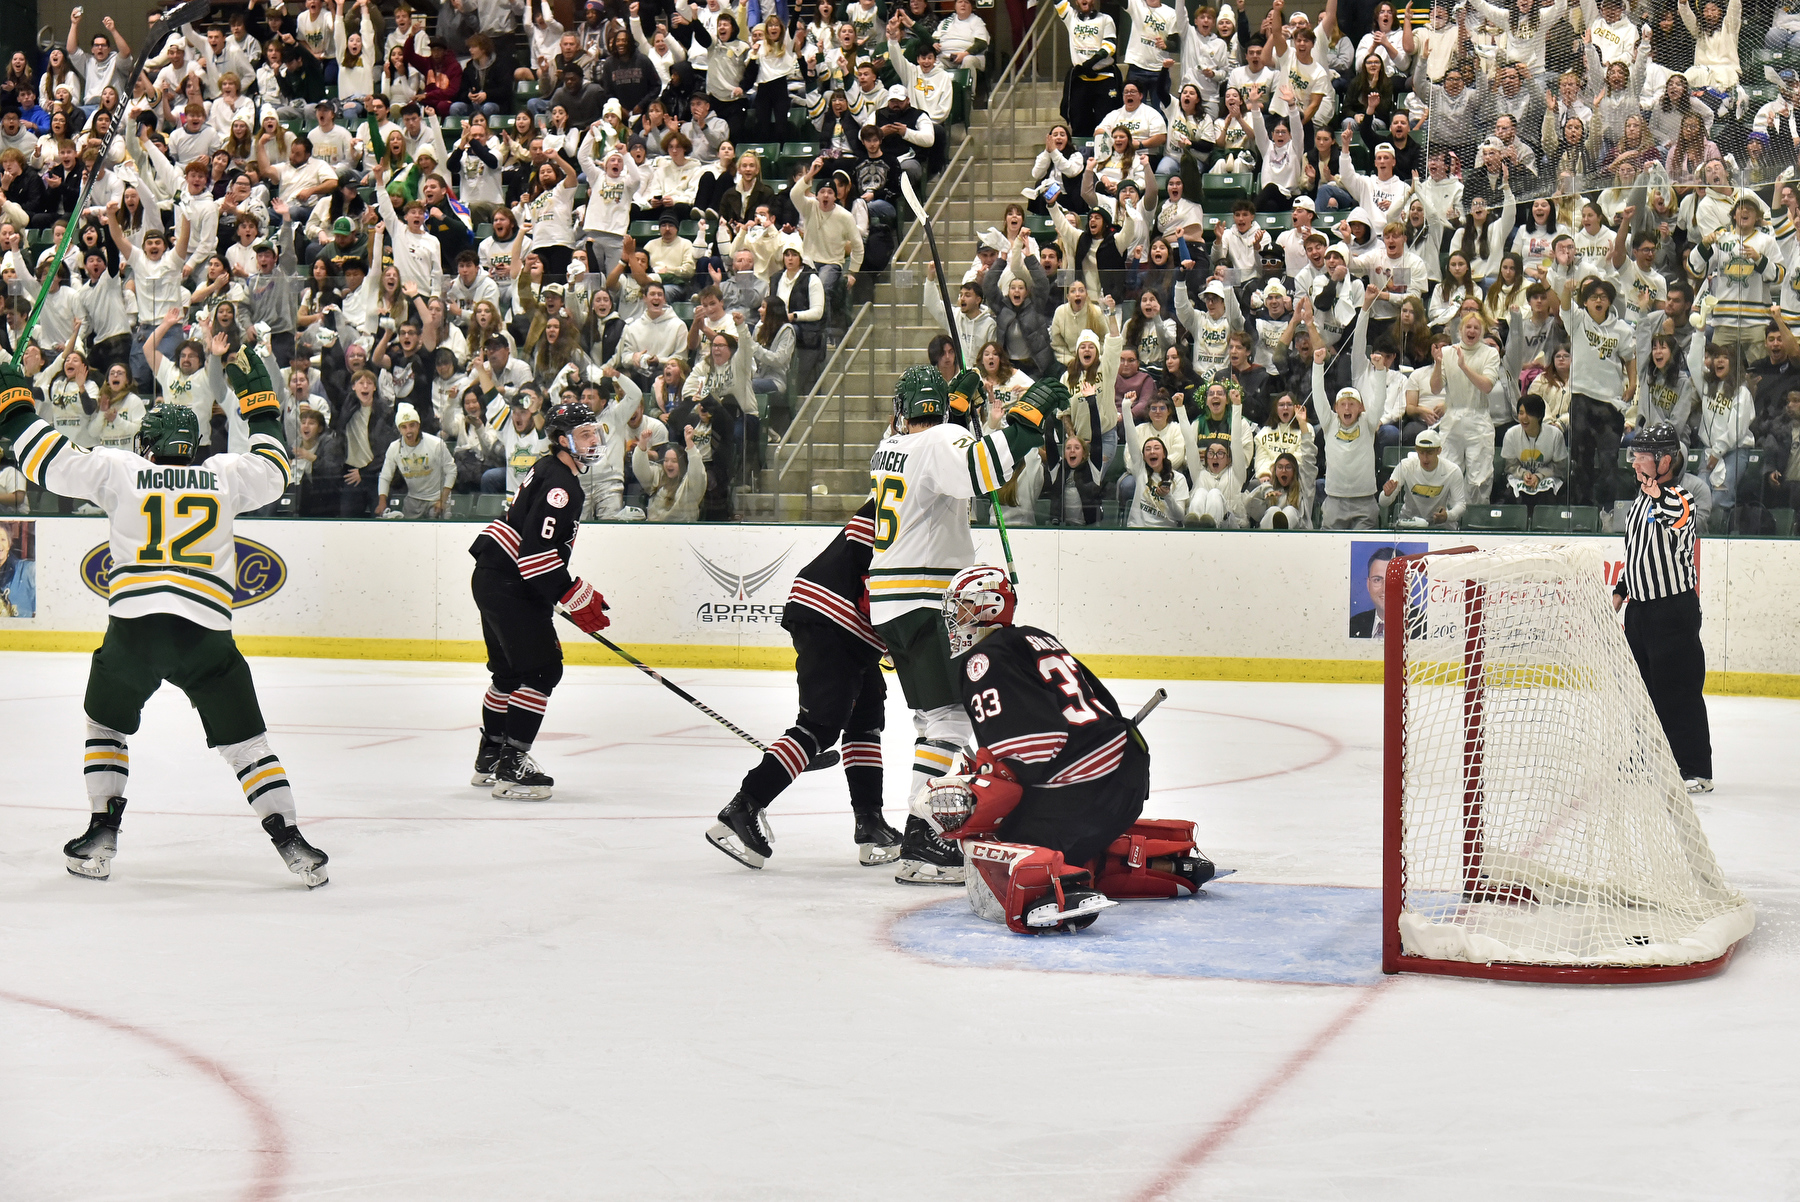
1665, 640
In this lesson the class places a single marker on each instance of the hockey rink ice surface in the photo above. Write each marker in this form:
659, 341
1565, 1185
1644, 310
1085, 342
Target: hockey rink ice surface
580, 999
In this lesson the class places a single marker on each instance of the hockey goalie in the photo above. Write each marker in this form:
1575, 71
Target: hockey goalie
1047, 814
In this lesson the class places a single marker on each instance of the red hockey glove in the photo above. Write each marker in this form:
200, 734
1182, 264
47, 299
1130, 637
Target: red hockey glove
587, 609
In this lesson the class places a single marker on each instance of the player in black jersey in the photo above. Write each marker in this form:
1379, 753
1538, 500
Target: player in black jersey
1048, 817
838, 665
521, 574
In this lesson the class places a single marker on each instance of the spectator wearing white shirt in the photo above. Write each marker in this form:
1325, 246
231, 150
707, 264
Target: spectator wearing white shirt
423, 462
1148, 128
1429, 489
300, 181
156, 278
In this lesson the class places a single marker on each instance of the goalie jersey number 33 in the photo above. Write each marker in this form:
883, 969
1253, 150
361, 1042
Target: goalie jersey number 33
1037, 707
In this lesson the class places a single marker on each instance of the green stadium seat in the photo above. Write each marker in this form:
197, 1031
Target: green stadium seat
683, 310
1275, 221
644, 230
490, 505
1233, 186
1784, 522
1494, 517
526, 89
689, 230
483, 232
768, 152
1570, 519
1391, 456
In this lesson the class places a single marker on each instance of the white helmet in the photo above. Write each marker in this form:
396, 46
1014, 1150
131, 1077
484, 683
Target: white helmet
979, 598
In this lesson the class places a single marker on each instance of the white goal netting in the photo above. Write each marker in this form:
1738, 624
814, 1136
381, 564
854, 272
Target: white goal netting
1544, 819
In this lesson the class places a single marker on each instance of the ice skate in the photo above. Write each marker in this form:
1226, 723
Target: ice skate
1194, 868
877, 843
91, 855
742, 832
1079, 909
302, 858
925, 859
487, 758
1699, 784
518, 778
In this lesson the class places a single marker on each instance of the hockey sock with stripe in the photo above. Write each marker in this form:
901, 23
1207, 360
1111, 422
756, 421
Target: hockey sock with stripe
525, 714
261, 776
493, 713
932, 758
862, 771
105, 765
785, 759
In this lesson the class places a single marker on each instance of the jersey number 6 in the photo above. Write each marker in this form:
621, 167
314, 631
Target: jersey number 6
1062, 667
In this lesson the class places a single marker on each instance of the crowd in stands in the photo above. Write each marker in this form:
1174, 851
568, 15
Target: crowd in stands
1377, 268
1268, 262
435, 226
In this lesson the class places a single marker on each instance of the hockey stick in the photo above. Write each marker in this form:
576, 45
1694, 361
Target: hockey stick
1156, 699
824, 759
937, 262
187, 14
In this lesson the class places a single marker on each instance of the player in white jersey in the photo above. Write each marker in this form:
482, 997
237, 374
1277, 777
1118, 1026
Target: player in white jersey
171, 587
922, 477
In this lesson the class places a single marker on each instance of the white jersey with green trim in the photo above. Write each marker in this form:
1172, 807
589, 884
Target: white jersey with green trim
170, 526
922, 484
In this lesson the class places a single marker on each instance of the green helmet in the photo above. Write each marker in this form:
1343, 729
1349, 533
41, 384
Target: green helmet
169, 432
921, 393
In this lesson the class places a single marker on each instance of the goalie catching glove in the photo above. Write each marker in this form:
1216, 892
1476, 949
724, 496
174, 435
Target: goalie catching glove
585, 607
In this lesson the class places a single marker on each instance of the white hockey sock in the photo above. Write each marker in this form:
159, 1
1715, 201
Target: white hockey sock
261, 776
105, 765
944, 732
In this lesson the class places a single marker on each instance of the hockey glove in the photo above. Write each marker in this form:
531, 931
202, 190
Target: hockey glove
586, 608
15, 393
248, 378
964, 389
1041, 401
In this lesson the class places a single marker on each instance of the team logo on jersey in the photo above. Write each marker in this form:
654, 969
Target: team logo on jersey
557, 498
978, 666
260, 572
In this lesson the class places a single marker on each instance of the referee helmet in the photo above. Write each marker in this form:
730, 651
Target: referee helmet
1657, 440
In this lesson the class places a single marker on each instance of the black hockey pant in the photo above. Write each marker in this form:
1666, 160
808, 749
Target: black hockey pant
524, 655
841, 692
1082, 820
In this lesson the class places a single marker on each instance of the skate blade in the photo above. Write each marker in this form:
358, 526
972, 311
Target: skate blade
509, 792
874, 855
920, 872
314, 877
727, 841
89, 870
1051, 918
483, 780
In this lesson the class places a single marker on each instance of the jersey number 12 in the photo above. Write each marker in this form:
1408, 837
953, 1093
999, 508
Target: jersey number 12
154, 509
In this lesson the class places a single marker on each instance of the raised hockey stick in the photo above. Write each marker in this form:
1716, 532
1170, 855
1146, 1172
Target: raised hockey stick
937, 262
824, 759
187, 14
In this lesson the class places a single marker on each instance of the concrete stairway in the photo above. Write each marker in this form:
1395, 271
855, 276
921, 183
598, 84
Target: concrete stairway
837, 426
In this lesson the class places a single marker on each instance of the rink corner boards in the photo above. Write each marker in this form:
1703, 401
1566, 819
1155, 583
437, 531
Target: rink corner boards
781, 659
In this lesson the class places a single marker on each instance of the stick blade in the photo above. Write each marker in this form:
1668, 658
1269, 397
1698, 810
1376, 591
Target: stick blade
912, 197
826, 759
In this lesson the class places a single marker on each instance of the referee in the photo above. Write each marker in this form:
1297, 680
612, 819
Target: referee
1663, 623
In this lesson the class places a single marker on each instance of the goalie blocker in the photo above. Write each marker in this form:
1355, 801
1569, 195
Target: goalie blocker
1048, 815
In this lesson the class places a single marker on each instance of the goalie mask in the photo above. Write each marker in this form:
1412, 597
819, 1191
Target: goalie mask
921, 394
978, 599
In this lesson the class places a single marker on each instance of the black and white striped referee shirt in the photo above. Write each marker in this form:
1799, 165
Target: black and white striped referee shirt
1659, 544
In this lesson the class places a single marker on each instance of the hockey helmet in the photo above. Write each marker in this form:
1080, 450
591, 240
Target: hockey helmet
921, 394
566, 418
1658, 438
979, 598
170, 434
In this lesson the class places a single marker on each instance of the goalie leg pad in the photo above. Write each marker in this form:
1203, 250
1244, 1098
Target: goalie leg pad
1035, 891
1153, 858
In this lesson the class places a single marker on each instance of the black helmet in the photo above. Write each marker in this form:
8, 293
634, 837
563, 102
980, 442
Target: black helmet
565, 418
1658, 438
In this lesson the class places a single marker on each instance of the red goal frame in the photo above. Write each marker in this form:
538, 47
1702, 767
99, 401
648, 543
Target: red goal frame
1393, 878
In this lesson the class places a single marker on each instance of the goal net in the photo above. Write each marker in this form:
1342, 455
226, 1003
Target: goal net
1537, 825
